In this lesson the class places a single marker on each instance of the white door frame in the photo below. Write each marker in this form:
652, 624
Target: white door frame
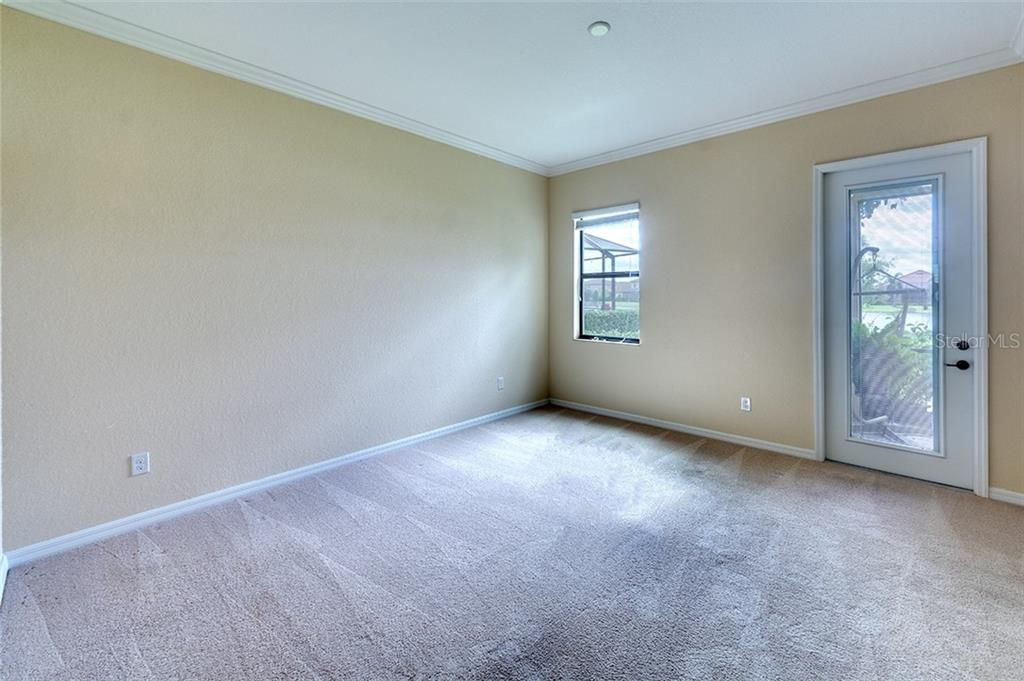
978, 149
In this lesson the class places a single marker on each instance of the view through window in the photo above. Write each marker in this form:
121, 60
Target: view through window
608, 274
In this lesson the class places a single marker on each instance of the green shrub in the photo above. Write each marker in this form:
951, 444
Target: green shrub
618, 323
892, 363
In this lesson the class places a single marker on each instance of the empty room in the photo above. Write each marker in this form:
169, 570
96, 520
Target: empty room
511, 340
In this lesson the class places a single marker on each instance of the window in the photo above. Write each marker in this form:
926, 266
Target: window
608, 274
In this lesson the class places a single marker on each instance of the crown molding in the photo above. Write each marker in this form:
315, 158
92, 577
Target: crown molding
92, 21
1018, 37
881, 88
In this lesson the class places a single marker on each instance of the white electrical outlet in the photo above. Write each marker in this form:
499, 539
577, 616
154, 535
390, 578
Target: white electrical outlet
744, 404
501, 382
140, 463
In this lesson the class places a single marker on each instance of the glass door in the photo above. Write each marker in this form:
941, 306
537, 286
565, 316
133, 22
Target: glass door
900, 283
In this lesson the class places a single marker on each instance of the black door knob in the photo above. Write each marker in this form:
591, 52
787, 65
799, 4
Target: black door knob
961, 364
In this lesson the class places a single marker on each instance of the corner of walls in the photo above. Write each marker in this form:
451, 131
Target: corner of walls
547, 286
1018, 38
3, 556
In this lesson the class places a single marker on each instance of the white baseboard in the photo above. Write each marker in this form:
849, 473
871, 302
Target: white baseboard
3, 576
89, 535
1006, 495
692, 430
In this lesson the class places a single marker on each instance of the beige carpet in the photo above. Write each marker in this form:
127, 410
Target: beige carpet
551, 545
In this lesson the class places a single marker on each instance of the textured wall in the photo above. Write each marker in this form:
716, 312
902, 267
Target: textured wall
237, 281
726, 231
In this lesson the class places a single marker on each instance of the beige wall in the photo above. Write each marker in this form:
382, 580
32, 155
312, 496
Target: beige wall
726, 233
237, 281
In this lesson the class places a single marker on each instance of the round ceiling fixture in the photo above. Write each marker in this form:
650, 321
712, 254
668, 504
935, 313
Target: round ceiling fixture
599, 28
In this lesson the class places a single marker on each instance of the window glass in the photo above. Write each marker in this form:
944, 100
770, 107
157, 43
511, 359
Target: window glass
608, 282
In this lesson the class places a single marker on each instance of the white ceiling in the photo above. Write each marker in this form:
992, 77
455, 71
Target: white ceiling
525, 82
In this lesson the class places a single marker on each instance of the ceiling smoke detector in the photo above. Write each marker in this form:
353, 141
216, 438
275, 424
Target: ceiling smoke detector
599, 28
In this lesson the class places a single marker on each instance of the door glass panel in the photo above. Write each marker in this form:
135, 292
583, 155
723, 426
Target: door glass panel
893, 363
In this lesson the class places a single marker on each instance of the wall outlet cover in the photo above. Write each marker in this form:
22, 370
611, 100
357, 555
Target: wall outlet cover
140, 463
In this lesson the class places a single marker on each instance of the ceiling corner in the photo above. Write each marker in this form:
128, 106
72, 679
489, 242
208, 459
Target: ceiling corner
1018, 37
909, 81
